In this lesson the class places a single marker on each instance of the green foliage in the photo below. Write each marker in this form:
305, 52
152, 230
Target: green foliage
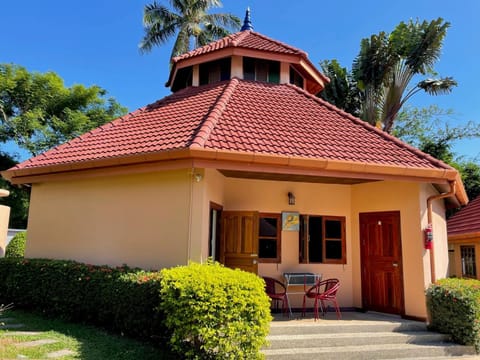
215, 312
121, 299
38, 112
186, 19
16, 246
454, 306
19, 197
342, 91
431, 131
385, 67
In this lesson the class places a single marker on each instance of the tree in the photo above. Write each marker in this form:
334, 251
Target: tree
342, 91
387, 64
189, 20
38, 112
430, 130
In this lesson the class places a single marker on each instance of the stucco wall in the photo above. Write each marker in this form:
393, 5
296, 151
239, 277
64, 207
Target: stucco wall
4, 218
395, 196
313, 199
140, 220
456, 255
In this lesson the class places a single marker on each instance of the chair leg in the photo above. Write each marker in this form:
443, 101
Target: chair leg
337, 310
315, 309
285, 305
303, 308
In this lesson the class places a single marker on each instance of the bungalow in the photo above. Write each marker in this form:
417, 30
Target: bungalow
244, 164
464, 241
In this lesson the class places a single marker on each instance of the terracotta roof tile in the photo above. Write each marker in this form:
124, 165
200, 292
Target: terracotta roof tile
467, 220
244, 116
244, 39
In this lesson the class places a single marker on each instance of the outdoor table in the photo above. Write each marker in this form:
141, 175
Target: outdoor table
296, 279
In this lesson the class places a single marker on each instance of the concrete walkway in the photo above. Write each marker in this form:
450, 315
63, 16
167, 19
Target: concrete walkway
12, 327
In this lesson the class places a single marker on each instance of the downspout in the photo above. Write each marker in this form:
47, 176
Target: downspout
430, 199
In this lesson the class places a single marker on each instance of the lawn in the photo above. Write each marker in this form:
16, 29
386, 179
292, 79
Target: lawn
78, 341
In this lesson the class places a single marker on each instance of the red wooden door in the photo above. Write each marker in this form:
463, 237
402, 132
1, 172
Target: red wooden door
239, 241
381, 251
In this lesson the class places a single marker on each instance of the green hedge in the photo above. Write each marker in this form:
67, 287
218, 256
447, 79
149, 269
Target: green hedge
203, 311
122, 299
215, 312
454, 306
16, 246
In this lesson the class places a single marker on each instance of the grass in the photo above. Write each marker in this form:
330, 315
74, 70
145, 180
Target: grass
88, 343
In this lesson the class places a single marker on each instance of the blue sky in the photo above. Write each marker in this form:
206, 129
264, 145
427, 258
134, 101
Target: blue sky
95, 42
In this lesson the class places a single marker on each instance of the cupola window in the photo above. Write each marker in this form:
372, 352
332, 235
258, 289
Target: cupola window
261, 70
215, 71
183, 79
296, 78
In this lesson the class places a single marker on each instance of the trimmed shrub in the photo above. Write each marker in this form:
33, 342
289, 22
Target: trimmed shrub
214, 312
121, 299
16, 246
454, 306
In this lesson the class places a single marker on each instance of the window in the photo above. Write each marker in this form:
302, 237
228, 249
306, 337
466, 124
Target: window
469, 266
183, 79
215, 71
214, 231
322, 239
261, 70
269, 235
296, 78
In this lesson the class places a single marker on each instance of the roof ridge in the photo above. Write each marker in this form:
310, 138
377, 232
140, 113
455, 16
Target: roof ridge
241, 35
212, 118
278, 42
370, 127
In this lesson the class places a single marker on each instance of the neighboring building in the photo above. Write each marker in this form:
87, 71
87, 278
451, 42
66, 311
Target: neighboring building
4, 218
243, 163
464, 241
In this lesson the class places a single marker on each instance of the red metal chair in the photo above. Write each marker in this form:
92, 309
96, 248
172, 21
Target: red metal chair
322, 292
277, 291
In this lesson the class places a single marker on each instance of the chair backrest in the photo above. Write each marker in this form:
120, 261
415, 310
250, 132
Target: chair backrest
327, 287
271, 285
331, 288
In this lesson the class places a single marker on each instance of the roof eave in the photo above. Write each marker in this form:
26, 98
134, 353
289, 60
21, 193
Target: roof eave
242, 161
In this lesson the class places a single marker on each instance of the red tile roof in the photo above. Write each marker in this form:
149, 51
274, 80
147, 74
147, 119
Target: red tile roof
241, 116
247, 40
467, 220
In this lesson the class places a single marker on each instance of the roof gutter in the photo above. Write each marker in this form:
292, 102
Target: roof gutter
430, 201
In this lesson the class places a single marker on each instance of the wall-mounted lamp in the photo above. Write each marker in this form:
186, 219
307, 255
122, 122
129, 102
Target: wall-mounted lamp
291, 199
197, 177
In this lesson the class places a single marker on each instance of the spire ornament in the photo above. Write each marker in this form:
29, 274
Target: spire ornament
247, 23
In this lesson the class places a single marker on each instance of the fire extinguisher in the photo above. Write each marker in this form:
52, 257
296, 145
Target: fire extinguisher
428, 237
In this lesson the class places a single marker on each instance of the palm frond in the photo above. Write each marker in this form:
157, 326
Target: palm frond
437, 86
227, 20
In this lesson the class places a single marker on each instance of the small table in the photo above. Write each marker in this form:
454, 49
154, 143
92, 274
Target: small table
299, 278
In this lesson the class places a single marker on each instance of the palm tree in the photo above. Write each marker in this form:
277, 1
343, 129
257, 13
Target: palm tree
189, 20
387, 64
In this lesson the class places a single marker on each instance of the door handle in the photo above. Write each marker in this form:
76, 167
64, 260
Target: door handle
254, 255
254, 262
395, 264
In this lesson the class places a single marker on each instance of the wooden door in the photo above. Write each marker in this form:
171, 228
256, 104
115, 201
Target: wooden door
381, 251
239, 241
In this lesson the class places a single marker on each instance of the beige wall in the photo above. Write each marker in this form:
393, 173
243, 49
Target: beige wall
456, 266
162, 219
141, 220
314, 199
411, 200
4, 218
